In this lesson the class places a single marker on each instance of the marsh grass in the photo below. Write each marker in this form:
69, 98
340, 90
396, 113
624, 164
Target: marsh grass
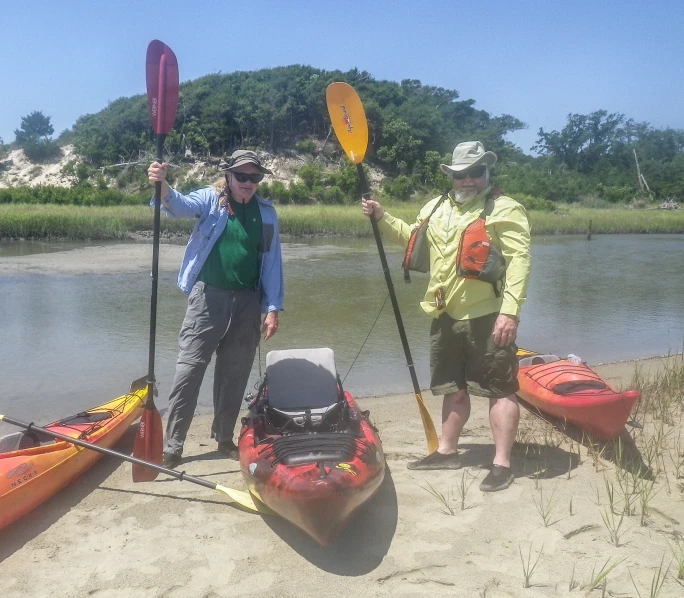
442, 499
464, 484
657, 581
646, 492
629, 484
544, 506
610, 493
445, 500
677, 458
572, 584
90, 222
83, 222
597, 451
601, 578
575, 220
678, 553
661, 394
528, 566
613, 524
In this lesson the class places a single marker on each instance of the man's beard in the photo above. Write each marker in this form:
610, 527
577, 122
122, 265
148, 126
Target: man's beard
463, 195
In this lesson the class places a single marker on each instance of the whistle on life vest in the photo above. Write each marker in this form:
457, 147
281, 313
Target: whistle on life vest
439, 298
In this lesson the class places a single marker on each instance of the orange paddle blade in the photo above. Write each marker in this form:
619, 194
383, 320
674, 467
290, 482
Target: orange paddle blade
148, 442
348, 119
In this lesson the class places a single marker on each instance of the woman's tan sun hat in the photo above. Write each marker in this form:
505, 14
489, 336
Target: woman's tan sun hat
240, 157
467, 154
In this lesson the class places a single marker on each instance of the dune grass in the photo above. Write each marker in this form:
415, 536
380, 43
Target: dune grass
119, 222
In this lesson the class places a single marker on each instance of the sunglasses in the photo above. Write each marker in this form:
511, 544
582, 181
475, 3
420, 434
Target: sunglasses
472, 173
243, 177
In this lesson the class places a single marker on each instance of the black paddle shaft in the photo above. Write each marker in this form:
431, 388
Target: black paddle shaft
155, 271
365, 193
179, 475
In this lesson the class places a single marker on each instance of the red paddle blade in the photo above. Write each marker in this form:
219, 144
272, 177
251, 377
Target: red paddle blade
162, 86
148, 442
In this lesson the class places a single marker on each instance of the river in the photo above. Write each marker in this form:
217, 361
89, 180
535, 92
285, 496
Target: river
69, 342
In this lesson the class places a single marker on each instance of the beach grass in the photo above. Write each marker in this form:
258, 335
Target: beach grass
119, 222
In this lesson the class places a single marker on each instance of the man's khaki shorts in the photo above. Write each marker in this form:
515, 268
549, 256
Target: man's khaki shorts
463, 356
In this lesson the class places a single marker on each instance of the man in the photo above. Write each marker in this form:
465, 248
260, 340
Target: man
232, 272
475, 322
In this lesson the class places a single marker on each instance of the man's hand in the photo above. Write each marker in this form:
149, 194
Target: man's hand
505, 330
368, 207
270, 325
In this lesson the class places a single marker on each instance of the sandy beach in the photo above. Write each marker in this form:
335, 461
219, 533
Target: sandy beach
106, 537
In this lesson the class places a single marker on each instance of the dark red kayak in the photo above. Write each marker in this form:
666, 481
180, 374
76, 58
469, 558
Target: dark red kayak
573, 392
306, 450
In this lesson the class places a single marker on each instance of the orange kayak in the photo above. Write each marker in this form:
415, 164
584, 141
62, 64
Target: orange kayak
574, 393
33, 467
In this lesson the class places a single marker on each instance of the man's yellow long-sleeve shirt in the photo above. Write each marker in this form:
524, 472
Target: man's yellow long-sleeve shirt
507, 227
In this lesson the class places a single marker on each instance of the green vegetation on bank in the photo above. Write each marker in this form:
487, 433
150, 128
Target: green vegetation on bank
121, 222
413, 128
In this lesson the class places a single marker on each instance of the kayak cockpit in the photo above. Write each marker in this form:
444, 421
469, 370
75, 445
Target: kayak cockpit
19, 441
301, 414
537, 360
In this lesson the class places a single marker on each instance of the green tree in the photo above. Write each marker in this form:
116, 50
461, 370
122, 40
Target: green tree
34, 126
33, 136
584, 139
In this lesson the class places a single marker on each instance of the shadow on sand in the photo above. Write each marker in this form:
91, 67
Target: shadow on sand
15, 536
622, 451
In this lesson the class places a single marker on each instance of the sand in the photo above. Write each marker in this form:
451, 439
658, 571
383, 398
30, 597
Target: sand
106, 537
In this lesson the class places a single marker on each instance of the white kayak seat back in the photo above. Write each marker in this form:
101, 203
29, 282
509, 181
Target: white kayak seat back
538, 360
302, 379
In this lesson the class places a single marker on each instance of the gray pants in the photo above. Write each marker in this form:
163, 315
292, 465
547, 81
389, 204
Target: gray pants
225, 322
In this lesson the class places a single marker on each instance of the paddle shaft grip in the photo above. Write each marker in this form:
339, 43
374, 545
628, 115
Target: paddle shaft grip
105, 451
155, 275
365, 193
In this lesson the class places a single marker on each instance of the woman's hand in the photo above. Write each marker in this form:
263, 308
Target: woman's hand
369, 206
270, 325
156, 173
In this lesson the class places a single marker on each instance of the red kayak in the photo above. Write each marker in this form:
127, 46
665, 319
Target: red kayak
574, 393
306, 450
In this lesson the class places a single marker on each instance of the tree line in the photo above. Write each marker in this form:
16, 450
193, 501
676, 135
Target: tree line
412, 129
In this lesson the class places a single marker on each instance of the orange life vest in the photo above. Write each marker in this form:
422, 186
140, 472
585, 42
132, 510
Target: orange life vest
478, 258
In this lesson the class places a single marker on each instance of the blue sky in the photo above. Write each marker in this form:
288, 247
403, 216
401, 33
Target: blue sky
538, 61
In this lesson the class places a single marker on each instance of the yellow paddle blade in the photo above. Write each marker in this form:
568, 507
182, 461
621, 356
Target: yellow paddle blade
348, 119
244, 499
525, 352
428, 426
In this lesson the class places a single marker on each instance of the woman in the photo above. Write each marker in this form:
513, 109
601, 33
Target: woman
232, 272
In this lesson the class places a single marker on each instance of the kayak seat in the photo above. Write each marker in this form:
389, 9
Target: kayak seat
20, 441
537, 360
301, 379
303, 391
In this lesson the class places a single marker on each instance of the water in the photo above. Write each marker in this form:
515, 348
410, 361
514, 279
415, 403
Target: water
71, 342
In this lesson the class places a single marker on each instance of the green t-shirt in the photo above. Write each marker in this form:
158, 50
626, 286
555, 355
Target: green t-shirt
233, 262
